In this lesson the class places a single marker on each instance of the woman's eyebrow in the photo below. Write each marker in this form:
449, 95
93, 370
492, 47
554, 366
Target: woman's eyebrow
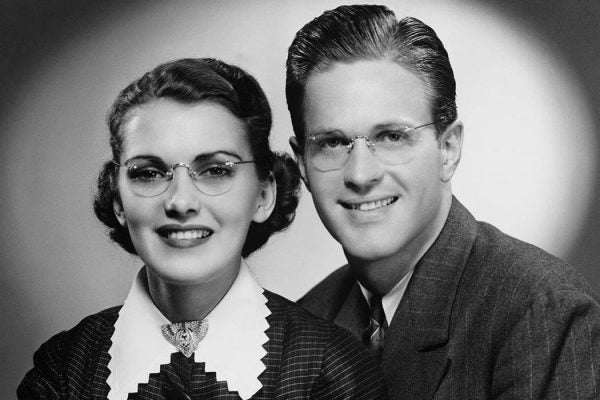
208, 156
199, 157
145, 157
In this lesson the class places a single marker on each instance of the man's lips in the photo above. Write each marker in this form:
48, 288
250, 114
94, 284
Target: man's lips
369, 205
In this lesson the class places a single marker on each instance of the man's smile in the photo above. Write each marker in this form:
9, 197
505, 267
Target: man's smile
369, 205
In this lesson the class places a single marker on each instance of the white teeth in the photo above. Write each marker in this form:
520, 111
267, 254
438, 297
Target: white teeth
188, 235
372, 205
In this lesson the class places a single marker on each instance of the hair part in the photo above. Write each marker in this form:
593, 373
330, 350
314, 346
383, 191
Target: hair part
370, 32
192, 81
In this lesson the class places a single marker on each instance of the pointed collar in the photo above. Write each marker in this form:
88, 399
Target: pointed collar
235, 355
392, 299
423, 316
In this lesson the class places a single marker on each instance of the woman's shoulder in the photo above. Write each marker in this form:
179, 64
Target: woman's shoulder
317, 349
90, 332
95, 325
300, 324
294, 314
67, 357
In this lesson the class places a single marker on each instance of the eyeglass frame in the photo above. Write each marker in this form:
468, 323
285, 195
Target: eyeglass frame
372, 146
170, 173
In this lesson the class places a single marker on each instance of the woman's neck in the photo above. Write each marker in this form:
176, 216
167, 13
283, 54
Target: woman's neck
188, 301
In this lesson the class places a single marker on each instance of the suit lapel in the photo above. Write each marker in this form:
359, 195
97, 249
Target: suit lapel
354, 313
415, 355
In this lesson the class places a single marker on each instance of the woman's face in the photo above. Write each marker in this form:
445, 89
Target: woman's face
183, 235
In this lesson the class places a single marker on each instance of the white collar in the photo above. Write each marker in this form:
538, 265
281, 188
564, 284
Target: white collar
232, 347
391, 299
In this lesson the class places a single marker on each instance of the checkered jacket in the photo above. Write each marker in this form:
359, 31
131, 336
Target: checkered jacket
307, 358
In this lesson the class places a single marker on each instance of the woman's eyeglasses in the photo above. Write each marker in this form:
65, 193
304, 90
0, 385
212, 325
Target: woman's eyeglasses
149, 177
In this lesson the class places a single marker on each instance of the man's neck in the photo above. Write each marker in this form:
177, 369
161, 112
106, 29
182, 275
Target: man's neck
381, 275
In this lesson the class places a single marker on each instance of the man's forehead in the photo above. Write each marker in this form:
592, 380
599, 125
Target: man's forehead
364, 94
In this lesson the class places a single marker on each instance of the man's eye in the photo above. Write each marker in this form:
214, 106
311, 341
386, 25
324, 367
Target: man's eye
330, 142
393, 137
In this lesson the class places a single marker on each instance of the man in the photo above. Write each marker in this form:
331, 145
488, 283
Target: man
457, 308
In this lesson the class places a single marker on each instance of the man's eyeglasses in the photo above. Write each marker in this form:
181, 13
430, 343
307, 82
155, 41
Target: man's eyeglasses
149, 177
330, 151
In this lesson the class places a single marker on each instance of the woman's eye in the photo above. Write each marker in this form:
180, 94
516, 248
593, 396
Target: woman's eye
216, 171
147, 174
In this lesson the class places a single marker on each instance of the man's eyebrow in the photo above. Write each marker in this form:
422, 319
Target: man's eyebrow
392, 125
377, 127
326, 131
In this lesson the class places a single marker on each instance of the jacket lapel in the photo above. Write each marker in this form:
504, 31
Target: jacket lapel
415, 355
354, 313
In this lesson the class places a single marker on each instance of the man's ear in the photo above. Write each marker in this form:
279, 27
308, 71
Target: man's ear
299, 160
119, 212
451, 146
266, 200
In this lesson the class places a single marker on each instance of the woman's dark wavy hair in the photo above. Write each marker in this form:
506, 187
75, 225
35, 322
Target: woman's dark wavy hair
370, 32
193, 81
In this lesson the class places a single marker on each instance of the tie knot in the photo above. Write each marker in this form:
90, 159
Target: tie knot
377, 313
374, 334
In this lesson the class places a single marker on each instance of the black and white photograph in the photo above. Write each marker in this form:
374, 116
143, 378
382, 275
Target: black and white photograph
300, 199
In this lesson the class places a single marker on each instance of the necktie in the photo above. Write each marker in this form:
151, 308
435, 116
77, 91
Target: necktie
185, 336
374, 334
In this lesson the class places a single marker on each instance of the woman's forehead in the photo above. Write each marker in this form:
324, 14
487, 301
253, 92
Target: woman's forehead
170, 129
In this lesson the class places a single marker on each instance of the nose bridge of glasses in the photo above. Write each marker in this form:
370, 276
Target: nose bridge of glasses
188, 167
366, 139
360, 156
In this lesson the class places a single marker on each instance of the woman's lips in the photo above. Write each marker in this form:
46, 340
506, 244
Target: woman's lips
181, 236
188, 234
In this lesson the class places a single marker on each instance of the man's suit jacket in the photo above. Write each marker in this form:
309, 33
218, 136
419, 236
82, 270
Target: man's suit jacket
484, 316
305, 358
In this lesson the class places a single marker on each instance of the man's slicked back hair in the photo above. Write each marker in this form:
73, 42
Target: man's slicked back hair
370, 32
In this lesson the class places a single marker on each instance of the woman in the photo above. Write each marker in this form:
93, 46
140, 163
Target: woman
192, 189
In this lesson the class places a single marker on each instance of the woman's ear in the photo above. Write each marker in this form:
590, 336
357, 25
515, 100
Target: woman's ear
451, 147
119, 212
299, 160
267, 198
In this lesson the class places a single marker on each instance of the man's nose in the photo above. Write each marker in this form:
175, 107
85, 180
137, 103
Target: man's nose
362, 169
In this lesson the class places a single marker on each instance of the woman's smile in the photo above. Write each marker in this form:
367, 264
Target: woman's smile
184, 236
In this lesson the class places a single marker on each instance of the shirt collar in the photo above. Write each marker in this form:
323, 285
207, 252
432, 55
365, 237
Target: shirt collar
234, 354
391, 299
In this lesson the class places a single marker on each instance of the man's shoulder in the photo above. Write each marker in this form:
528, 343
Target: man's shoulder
326, 298
519, 260
505, 272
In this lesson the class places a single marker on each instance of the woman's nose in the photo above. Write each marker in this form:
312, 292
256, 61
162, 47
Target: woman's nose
182, 196
362, 169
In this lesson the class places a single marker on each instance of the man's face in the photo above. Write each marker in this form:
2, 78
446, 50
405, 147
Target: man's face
376, 209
